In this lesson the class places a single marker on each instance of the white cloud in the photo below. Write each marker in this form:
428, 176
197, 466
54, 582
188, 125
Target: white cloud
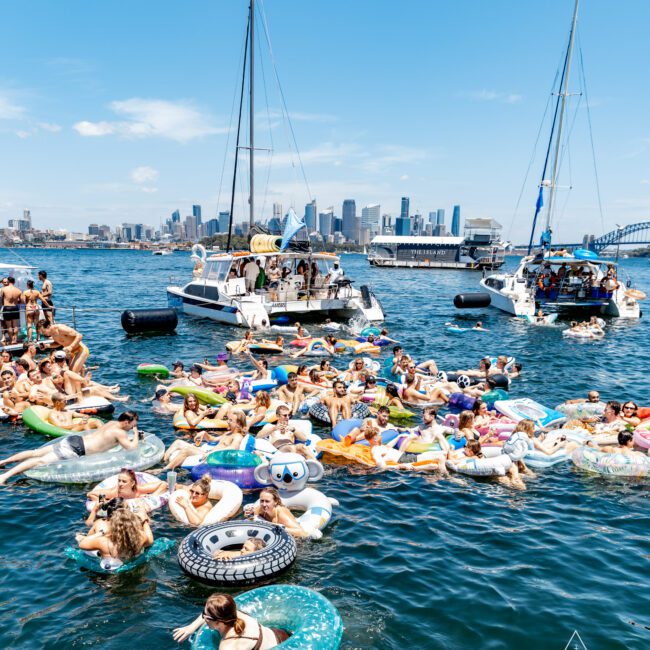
23, 134
645, 181
144, 174
9, 110
149, 190
493, 96
49, 126
404, 177
179, 121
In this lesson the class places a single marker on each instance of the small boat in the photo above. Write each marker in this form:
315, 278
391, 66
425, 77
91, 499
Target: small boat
164, 251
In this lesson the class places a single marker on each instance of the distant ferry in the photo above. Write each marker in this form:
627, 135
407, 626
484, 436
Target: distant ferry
480, 248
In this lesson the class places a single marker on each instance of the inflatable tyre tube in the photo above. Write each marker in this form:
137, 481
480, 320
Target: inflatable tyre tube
501, 381
590, 459
280, 373
195, 553
370, 330
642, 437
319, 412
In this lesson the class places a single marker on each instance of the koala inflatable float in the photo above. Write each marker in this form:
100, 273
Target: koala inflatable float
289, 473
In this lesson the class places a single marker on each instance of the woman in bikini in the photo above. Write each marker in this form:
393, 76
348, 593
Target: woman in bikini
238, 631
29, 297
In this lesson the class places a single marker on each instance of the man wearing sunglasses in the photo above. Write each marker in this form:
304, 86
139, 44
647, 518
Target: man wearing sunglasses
283, 435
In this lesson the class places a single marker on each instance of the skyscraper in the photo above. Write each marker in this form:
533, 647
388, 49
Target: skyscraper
325, 224
337, 224
350, 225
277, 211
310, 216
212, 227
176, 216
440, 220
224, 218
404, 212
196, 213
402, 226
433, 216
455, 221
370, 216
191, 231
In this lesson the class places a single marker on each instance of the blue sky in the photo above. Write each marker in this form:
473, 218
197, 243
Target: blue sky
120, 111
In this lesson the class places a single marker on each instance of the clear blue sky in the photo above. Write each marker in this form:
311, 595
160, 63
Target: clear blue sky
119, 111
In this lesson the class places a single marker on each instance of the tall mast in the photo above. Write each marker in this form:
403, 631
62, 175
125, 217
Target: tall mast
563, 97
251, 91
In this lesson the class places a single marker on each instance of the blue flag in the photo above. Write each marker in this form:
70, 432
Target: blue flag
540, 199
294, 224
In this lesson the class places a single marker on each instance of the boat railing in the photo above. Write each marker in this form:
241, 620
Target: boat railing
571, 289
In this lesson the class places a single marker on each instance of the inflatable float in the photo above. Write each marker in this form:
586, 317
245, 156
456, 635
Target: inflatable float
344, 427
319, 412
144, 503
473, 466
97, 467
580, 410
204, 395
91, 561
229, 502
91, 405
153, 369
313, 621
232, 465
591, 459
35, 418
196, 550
527, 409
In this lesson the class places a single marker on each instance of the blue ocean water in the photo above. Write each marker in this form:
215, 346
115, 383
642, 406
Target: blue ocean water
410, 561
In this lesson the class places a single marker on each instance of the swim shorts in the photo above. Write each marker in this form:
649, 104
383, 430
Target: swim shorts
69, 447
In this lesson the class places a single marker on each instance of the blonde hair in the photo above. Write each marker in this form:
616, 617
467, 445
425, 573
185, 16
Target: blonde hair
262, 398
204, 484
126, 533
240, 420
527, 426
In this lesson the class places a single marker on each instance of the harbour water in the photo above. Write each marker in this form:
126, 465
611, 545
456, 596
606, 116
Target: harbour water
410, 561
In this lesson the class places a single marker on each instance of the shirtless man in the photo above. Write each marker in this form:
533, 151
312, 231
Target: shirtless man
274, 274
429, 431
70, 340
46, 296
74, 446
283, 436
69, 420
292, 392
11, 403
380, 422
11, 296
625, 446
340, 403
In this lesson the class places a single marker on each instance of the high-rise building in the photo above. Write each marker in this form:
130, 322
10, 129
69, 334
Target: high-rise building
433, 216
138, 232
370, 216
428, 229
417, 224
440, 217
176, 216
455, 221
337, 224
325, 222
93, 229
211, 227
275, 225
224, 219
310, 216
277, 211
404, 212
196, 213
191, 231
386, 224
350, 223
402, 226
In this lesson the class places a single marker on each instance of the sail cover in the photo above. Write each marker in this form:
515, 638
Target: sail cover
294, 224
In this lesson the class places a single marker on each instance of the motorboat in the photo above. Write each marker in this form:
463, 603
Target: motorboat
218, 290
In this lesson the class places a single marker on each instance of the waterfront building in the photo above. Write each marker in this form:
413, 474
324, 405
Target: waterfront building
433, 217
370, 216
455, 221
211, 227
176, 216
196, 213
402, 226
337, 224
191, 232
440, 219
93, 229
404, 212
224, 219
350, 222
310, 216
277, 211
325, 222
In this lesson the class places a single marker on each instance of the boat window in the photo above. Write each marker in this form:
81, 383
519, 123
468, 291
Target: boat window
211, 293
217, 270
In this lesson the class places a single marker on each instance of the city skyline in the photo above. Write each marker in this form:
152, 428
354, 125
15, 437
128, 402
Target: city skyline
93, 133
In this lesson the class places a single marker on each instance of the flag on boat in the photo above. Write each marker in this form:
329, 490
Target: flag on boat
294, 224
540, 200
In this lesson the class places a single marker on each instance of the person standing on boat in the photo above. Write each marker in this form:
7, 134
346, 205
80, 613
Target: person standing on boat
251, 271
11, 296
46, 296
70, 340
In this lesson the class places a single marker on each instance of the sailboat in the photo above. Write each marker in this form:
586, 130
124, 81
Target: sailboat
300, 284
557, 279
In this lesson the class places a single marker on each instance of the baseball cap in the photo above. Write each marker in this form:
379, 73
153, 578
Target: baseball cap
222, 356
177, 363
160, 392
60, 354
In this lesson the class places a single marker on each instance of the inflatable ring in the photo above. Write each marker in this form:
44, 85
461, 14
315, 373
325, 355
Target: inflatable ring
370, 330
265, 348
642, 436
202, 394
473, 466
280, 373
313, 621
344, 427
91, 405
319, 412
157, 369
581, 410
288, 329
97, 467
90, 560
231, 465
592, 460
230, 498
196, 550
145, 503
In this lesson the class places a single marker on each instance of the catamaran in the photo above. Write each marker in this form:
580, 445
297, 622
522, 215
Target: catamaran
549, 278
292, 283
